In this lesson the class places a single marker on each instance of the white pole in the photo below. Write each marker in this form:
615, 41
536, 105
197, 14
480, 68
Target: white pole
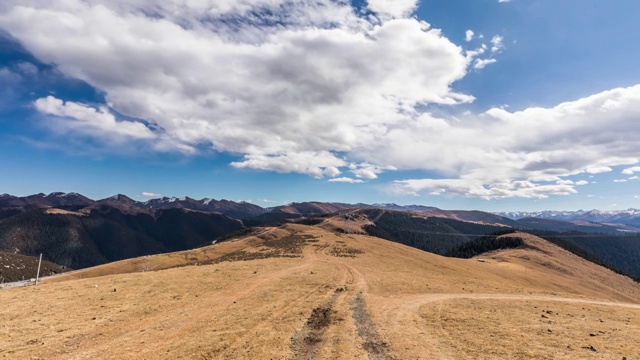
38, 274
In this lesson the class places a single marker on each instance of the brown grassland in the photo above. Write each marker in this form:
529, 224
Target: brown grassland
302, 292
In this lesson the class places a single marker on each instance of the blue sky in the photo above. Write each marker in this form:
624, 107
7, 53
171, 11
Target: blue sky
275, 101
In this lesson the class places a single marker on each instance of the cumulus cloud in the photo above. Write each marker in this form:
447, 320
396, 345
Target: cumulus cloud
313, 87
468, 35
619, 180
582, 182
481, 63
497, 43
72, 116
151, 195
307, 77
316, 164
461, 187
631, 170
393, 8
535, 145
346, 180
598, 169
564, 182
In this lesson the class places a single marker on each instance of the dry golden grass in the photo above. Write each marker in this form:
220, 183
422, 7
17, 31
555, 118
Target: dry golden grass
384, 301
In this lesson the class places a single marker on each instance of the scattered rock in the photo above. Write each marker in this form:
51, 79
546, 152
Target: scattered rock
590, 347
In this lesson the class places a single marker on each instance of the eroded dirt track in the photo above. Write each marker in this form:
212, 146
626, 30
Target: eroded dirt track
314, 294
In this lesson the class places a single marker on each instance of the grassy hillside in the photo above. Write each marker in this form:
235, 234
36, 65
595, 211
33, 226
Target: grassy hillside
300, 292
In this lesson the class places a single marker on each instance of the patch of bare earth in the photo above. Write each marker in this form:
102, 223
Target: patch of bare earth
377, 349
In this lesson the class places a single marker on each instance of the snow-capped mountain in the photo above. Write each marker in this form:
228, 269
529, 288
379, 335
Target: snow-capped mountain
230, 208
42, 200
629, 216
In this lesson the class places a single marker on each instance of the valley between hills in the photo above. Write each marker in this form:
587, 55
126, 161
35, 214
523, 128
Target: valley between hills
314, 292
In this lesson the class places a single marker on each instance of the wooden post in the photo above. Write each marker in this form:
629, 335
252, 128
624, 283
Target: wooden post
38, 274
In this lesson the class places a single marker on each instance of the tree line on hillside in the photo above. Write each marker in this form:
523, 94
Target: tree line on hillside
484, 244
619, 253
435, 235
108, 234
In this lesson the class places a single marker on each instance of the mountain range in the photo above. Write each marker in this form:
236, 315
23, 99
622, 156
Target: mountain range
629, 216
246, 210
75, 231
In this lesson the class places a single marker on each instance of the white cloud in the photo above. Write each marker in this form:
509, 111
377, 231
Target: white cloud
631, 170
317, 88
531, 145
620, 180
368, 171
504, 1
634, 178
468, 35
598, 169
331, 171
497, 43
346, 180
564, 182
316, 164
461, 187
481, 63
150, 195
582, 182
313, 78
393, 8
75, 117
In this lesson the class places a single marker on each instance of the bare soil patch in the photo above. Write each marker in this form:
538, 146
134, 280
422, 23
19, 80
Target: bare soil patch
377, 349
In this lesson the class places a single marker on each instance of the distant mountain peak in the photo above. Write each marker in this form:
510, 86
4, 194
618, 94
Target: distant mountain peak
630, 216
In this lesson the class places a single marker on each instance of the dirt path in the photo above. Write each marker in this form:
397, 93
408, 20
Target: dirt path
418, 300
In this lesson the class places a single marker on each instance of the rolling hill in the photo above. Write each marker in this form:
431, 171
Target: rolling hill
300, 292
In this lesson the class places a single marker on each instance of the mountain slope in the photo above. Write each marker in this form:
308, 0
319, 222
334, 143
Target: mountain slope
305, 292
14, 267
105, 234
432, 234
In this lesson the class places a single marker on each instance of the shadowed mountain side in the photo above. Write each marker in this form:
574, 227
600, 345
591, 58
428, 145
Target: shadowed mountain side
14, 267
108, 234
